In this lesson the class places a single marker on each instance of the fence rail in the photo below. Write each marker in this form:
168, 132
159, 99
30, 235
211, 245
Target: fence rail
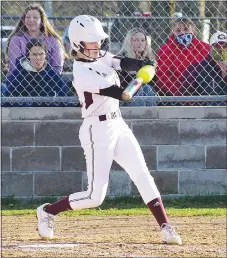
75, 99
8, 17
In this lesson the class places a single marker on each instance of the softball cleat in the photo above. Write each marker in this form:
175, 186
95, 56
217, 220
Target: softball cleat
45, 223
169, 235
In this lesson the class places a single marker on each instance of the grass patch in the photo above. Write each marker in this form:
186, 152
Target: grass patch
185, 212
183, 206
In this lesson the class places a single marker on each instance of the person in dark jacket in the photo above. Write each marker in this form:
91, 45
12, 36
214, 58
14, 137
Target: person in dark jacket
35, 77
137, 45
209, 77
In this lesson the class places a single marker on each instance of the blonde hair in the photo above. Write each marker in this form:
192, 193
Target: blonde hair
45, 27
128, 51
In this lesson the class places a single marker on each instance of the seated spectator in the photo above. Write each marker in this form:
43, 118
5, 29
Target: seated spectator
35, 77
209, 77
174, 57
137, 45
33, 24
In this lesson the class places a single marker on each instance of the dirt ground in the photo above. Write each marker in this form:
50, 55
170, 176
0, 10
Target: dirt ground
113, 236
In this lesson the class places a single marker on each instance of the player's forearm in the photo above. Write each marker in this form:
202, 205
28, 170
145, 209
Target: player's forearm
123, 94
113, 91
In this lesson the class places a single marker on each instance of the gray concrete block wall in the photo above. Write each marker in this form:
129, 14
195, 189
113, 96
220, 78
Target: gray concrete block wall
156, 132
36, 159
57, 184
216, 157
203, 132
181, 157
203, 182
57, 134
184, 148
17, 134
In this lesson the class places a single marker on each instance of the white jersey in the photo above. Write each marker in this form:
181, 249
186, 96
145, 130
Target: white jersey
89, 78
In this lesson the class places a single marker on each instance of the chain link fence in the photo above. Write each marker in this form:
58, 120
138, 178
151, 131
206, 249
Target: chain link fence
177, 34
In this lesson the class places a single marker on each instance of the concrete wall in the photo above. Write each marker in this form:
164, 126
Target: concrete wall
184, 147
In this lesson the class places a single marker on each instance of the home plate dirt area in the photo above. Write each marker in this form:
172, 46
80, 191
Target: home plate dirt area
113, 236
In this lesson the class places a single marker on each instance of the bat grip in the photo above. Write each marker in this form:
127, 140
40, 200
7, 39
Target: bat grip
131, 89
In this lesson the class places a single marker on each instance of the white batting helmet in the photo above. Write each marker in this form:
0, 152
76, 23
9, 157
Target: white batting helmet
85, 28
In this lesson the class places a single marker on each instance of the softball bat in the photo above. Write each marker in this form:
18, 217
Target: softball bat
131, 89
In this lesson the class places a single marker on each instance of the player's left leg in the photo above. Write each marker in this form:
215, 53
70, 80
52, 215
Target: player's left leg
98, 142
128, 155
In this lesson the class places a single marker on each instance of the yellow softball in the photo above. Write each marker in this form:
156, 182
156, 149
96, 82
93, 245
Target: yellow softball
147, 73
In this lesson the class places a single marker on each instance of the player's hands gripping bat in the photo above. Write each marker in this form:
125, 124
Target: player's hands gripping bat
144, 75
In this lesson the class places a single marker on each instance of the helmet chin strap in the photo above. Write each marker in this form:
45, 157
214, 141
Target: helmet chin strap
100, 55
81, 50
88, 56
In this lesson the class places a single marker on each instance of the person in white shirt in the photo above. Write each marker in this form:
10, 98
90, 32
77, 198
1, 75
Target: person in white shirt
104, 135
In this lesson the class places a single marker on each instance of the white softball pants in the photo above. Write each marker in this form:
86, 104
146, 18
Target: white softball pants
102, 143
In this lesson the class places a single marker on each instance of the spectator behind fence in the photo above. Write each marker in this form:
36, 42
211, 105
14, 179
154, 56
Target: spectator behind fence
137, 45
209, 77
174, 57
34, 77
33, 24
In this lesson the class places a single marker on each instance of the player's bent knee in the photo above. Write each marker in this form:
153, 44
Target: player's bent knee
96, 203
85, 204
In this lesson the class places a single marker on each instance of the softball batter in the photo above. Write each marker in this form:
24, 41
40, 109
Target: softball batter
104, 135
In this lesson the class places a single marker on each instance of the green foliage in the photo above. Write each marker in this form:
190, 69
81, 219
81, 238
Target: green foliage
209, 201
10, 202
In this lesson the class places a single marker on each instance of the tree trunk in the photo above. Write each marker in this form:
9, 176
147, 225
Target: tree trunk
221, 12
172, 8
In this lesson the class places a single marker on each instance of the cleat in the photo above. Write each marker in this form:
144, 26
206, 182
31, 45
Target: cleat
169, 235
45, 223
